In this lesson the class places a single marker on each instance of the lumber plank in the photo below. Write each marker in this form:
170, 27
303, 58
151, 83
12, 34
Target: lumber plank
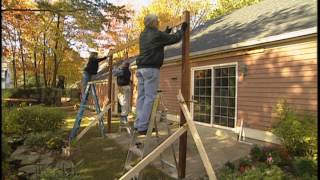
196, 137
99, 116
154, 154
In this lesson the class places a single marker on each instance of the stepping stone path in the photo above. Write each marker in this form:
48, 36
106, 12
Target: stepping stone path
29, 169
16, 155
46, 161
64, 164
29, 159
29, 163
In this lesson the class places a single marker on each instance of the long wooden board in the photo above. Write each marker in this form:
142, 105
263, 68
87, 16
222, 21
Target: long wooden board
99, 116
154, 154
196, 137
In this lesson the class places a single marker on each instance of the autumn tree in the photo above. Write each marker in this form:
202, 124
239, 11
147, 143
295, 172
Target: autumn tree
227, 6
44, 34
170, 11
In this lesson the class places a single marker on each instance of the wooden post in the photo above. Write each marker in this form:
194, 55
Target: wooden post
109, 92
185, 88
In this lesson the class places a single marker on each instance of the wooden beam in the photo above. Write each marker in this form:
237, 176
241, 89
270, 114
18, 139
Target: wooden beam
99, 116
122, 47
51, 10
20, 100
185, 85
196, 138
98, 81
154, 154
109, 93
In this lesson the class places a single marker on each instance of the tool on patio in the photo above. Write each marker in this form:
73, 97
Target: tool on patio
140, 144
124, 126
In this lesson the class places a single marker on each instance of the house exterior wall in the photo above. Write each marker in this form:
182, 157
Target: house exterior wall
283, 70
278, 70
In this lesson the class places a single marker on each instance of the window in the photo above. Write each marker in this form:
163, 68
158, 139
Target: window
202, 95
224, 96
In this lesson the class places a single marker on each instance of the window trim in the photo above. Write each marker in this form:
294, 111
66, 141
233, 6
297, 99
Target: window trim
193, 69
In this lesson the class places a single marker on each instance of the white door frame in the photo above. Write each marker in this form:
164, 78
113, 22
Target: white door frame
193, 69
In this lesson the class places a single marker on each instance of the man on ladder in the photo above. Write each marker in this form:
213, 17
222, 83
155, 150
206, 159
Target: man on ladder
152, 43
90, 70
123, 75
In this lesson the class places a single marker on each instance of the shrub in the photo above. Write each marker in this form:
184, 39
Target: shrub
256, 153
47, 96
54, 173
305, 167
34, 119
244, 162
297, 131
227, 174
275, 154
50, 140
6, 151
230, 165
272, 173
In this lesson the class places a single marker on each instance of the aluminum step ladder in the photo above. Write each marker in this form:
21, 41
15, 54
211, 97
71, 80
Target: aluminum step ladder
83, 103
140, 144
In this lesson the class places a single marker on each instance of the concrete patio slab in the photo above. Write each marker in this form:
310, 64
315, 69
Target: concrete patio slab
221, 146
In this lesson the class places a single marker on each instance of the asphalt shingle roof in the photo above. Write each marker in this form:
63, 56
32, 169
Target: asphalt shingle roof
266, 18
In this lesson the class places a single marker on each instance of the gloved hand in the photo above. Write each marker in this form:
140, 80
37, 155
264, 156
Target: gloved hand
184, 26
168, 30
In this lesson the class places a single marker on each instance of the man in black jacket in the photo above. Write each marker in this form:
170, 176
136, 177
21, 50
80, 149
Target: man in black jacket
124, 94
91, 69
152, 43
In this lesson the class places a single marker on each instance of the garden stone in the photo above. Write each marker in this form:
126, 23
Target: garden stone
46, 161
29, 169
46, 155
34, 176
20, 150
64, 164
29, 159
22, 176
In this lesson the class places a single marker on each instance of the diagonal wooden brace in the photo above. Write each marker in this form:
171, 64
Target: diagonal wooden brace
99, 116
196, 137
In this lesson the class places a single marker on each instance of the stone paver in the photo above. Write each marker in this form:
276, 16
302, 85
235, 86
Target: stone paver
29, 169
29, 159
64, 164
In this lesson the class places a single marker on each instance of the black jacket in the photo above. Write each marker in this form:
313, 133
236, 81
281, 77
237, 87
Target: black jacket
123, 78
93, 64
152, 42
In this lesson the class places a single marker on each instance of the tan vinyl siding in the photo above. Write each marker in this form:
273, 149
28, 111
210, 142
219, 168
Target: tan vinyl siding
285, 70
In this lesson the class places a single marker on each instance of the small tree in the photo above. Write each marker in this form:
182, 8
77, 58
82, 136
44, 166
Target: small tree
297, 131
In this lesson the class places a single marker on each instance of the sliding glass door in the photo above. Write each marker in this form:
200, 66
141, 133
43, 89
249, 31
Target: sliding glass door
214, 95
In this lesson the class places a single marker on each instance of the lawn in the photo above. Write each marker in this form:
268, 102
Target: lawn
101, 157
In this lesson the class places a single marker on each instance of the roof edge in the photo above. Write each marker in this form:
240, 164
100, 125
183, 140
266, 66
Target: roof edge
247, 44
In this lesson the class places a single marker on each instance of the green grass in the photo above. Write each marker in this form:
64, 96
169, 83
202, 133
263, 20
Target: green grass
103, 158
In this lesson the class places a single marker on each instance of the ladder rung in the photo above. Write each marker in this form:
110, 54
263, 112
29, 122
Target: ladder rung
135, 150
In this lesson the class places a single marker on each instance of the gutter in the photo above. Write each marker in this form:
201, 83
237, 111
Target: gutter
310, 32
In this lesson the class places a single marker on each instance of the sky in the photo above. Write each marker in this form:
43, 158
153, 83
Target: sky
136, 4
